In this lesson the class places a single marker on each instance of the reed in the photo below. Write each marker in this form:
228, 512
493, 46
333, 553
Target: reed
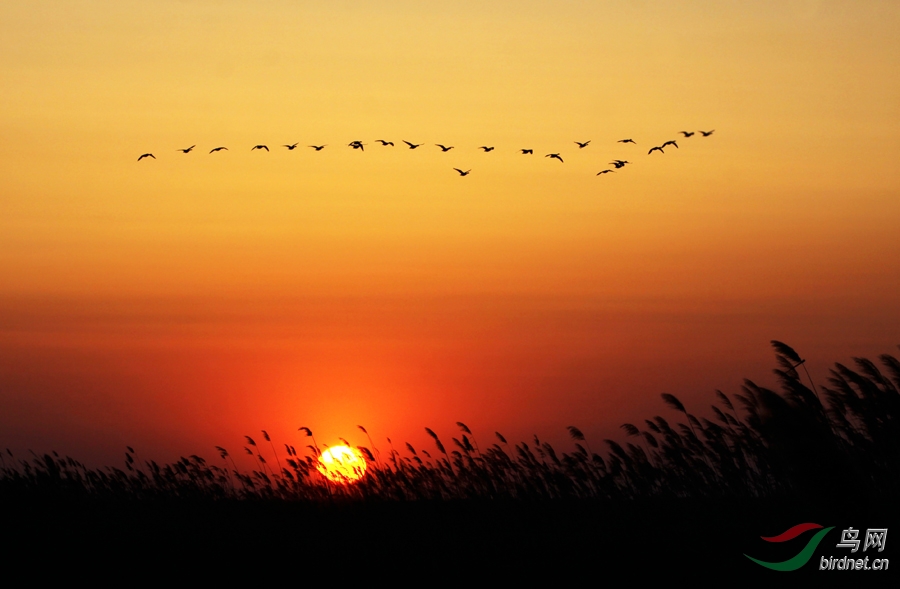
841, 437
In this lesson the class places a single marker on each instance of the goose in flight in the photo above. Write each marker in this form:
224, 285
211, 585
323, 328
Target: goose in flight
413, 145
461, 173
186, 149
619, 163
444, 148
385, 143
605, 172
259, 147
291, 147
626, 141
356, 145
146, 155
582, 145
555, 156
318, 147
670, 143
652, 149
707, 133
526, 151
486, 148
215, 149
686, 133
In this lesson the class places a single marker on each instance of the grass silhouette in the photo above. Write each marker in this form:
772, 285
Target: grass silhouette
760, 444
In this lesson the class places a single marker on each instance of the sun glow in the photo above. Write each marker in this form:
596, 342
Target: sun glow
342, 464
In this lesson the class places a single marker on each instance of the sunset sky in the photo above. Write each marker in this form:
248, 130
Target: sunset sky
184, 302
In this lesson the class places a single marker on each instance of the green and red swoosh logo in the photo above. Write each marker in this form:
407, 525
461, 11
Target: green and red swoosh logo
802, 557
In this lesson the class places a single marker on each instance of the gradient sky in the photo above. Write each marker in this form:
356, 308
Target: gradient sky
180, 303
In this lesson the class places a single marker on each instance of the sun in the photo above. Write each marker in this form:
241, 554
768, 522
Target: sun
342, 464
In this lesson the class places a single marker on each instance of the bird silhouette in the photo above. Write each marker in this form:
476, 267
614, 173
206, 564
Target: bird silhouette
626, 141
383, 142
259, 147
686, 133
444, 148
619, 163
215, 149
652, 149
707, 133
318, 147
486, 148
605, 172
555, 156
356, 145
291, 147
461, 173
413, 145
582, 145
670, 143
186, 149
526, 151
146, 155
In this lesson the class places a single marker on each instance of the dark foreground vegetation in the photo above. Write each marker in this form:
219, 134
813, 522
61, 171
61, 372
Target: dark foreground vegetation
692, 495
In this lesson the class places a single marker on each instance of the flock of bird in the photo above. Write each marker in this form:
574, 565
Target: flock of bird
617, 164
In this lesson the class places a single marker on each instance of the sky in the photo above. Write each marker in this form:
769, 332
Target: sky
177, 303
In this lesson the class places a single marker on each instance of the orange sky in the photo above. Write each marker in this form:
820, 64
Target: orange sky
177, 303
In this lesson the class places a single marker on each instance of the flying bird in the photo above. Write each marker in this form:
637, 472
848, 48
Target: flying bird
686, 133
707, 133
486, 148
318, 147
527, 151
626, 141
652, 149
413, 145
383, 142
186, 149
444, 148
670, 143
259, 147
461, 173
291, 147
582, 145
356, 145
217, 149
619, 163
146, 155
605, 172
554, 155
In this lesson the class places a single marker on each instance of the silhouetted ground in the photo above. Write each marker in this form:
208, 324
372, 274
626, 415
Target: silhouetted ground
642, 539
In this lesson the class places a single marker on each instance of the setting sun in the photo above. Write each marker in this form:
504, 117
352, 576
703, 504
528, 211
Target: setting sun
342, 464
